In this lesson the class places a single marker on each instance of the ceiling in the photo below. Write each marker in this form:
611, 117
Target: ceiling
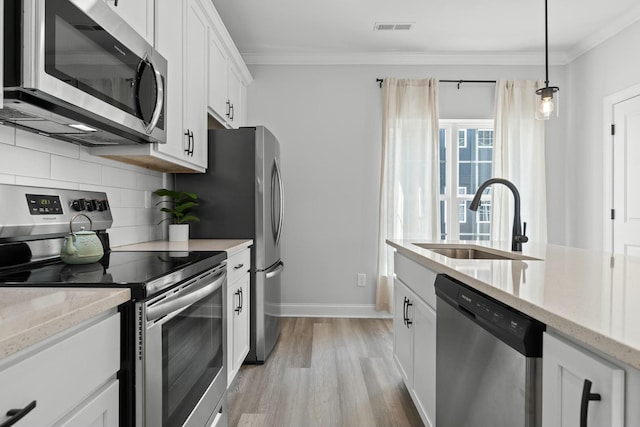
289, 31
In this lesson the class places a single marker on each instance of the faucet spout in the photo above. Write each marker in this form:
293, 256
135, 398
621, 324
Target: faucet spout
517, 236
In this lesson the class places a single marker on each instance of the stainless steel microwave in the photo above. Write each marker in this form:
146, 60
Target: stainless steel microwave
76, 71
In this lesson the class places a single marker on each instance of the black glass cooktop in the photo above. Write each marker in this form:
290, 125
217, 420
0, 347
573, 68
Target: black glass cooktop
129, 269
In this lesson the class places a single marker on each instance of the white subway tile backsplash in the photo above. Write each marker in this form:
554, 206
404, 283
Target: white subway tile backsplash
46, 182
7, 134
24, 162
146, 182
67, 169
48, 145
121, 178
7, 179
133, 198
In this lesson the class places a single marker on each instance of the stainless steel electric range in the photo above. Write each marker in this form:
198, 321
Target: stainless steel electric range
173, 330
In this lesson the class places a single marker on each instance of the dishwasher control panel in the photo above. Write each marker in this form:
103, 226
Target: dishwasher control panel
516, 329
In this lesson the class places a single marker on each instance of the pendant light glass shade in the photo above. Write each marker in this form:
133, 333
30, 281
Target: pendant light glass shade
549, 103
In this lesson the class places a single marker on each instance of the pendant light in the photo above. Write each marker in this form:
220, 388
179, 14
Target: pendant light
546, 108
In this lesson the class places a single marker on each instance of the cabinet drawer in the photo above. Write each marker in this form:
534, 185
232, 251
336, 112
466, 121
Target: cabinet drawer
419, 278
238, 264
61, 376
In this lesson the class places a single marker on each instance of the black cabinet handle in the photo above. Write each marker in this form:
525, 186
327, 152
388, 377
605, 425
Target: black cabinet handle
239, 266
115, 3
238, 308
404, 311
228, 112
584, 403
241, 299
17, 414
409, 304
188, 135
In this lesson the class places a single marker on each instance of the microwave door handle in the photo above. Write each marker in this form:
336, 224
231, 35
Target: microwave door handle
281, 190
177, 303
159, 97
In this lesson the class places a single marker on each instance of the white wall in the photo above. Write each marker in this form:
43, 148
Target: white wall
30, 159
609, 68
328, 121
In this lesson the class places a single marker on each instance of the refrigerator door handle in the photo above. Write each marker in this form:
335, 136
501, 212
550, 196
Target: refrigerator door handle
281, 190
274, 225
277, 269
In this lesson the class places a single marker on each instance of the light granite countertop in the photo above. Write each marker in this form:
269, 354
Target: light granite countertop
589, 296
29, 315
231, 246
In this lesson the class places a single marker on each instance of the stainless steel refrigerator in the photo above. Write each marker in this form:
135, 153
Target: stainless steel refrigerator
241, 197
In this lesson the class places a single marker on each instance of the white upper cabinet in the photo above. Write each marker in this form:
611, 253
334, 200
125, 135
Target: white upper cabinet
228, 77
206, 77
137, 13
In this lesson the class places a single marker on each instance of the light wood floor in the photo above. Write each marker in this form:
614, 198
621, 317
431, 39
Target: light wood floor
325, 373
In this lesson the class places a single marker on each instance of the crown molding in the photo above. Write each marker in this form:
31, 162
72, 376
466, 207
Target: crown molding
393, 58
605, 33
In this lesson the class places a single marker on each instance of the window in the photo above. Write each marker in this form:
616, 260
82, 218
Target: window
462, 170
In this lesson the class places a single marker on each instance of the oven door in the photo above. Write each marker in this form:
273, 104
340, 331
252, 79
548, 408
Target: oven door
71, 52
184, 376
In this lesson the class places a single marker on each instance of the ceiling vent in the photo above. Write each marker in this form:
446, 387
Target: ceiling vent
393, 26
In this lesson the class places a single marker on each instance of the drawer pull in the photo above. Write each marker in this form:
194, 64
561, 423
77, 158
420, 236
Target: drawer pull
17, 414
239, 266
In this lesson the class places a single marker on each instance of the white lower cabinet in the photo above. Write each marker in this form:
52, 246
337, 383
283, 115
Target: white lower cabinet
71, 378
414, 334
238, 311
568, 371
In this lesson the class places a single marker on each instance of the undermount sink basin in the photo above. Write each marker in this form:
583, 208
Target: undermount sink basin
471, 252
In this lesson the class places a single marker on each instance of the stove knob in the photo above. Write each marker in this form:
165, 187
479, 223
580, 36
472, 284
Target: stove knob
102, 205
92, 205
79, 205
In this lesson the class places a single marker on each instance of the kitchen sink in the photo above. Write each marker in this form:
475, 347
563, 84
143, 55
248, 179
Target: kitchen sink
471, 252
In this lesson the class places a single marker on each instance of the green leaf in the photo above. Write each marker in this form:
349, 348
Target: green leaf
188, 218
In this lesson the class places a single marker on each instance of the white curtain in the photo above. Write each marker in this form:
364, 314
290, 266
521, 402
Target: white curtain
518, 155
409, 178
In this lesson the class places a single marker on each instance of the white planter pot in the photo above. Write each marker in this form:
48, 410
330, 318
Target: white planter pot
178, 232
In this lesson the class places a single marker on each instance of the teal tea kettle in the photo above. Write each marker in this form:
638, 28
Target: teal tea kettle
81, 247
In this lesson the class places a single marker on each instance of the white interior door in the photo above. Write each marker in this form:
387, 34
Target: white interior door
626, 177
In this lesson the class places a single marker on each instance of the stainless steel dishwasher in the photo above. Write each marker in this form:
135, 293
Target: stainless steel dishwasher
488, 358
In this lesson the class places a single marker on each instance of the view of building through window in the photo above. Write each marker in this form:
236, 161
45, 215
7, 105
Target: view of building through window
462, 169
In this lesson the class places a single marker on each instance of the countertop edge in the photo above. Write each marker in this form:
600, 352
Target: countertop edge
590, 338
65, 319
231, 246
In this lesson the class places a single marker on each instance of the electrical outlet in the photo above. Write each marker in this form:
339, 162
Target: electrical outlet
362, 279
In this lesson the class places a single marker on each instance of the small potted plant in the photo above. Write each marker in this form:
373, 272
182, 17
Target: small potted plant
180, 205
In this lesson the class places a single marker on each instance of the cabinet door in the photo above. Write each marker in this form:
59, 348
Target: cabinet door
99, 411
566, 367
424, 371
195, 82
218, 99
137, 13
403, 332
235, 98
241, 324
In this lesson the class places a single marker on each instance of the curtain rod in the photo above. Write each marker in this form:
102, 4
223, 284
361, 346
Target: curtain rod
379, 81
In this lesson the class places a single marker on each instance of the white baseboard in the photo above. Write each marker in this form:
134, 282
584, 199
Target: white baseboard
333, 310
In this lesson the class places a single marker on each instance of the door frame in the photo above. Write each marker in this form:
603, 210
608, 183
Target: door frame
607, 161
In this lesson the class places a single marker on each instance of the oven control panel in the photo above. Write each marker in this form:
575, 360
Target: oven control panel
40, 211
44, 204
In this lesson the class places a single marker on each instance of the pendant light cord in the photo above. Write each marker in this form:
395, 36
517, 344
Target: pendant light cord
546, 45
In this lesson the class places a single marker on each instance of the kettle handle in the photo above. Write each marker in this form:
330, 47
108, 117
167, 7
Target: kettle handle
73, 219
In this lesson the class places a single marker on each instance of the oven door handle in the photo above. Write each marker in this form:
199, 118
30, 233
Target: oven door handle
179, 302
